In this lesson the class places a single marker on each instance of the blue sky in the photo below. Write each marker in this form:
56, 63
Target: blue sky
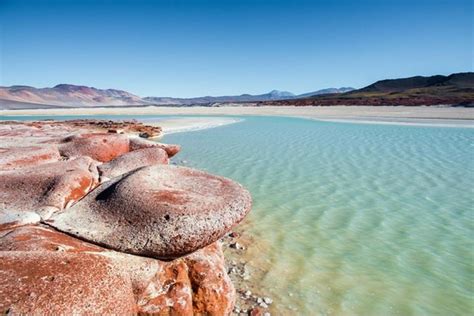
194, 48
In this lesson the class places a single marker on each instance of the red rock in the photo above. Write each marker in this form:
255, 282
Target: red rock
18, 157
61, 283
160, 211
48, 187
193, 285
101, 146
42, 238
133, 160
213, 291
140, 143
170, 292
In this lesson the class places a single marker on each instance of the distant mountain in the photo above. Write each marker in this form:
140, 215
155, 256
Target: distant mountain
66, 95
325, 91
455, 89
270, 96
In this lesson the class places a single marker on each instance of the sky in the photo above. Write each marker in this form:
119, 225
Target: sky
225, 47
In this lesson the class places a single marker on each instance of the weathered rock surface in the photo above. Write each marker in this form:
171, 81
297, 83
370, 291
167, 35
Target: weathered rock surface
133, 160
12, 218
46, 188
148, 209
18, 157
101, 147
176, 211
76, 126
213, 291
193, 285
140, 143
42, 238
60, 283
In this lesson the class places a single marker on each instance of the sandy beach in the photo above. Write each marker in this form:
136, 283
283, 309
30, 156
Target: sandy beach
431, 116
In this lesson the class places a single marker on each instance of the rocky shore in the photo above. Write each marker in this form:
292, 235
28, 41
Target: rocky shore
94, 219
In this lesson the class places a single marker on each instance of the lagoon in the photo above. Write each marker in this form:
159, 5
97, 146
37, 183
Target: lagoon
351, 219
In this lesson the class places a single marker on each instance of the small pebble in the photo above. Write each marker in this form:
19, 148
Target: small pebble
267, 300
234, 235
259, 300
236, 245
262, 304
248, 293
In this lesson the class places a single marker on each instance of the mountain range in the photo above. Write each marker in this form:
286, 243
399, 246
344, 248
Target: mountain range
455, 89
64, 95
67, 95
270, 96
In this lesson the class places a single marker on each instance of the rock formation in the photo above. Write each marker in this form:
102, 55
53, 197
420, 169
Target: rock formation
87, 216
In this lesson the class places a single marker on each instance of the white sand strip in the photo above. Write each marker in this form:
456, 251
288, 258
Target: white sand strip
187, 124
436, 116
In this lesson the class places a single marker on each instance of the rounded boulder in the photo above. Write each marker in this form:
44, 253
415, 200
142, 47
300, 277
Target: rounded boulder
159, 211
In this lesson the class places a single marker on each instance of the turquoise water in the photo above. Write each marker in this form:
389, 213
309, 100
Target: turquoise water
351, 219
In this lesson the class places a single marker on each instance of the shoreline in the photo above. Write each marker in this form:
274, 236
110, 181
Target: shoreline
399, 115
189, 124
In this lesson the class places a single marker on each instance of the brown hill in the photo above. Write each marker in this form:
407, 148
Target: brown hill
455, 89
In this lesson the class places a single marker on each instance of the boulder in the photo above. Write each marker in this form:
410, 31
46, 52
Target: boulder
140, 143
133, 160
48, 187
102, 147
196, 284
213, 291
160, 211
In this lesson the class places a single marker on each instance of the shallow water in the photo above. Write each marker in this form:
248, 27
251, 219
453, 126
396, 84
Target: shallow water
351, 219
